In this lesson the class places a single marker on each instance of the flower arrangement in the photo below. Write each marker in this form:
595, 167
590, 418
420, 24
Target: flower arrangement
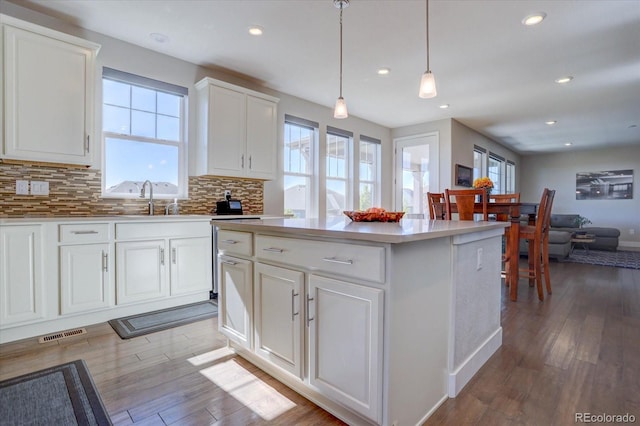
483, 182
581, 221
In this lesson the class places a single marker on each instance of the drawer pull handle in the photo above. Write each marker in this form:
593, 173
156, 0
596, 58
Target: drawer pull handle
105, 261
293, 313
162, 256
273, 249
84, 232
230, 241
334, 260
309, 317
229, 262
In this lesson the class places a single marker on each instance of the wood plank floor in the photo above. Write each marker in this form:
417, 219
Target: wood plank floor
578, 351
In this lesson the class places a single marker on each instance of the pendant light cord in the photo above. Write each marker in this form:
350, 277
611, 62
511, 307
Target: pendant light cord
341, 8
427, 28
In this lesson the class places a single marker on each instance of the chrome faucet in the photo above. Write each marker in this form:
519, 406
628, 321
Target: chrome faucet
151, 209
172, 208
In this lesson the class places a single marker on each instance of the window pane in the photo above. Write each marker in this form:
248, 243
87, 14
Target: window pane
128, 163
116, 119
116, 93
169, 104
168, 128
336, 156
296, 195
336, 197
143, 99
367, 196
143, 124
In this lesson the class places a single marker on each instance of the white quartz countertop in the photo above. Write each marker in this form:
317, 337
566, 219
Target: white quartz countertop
404, 231
123, 218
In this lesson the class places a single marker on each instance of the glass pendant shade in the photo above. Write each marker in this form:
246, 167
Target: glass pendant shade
340, 111
427, 86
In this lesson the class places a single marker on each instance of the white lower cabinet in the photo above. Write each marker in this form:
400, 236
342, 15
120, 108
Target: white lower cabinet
21, 274
236, 284
278, 308
345, 343
190, 265
85, 283
141, 271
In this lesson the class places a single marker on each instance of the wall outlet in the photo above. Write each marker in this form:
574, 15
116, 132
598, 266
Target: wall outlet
479, 260
227, 193
22, 187
39, 187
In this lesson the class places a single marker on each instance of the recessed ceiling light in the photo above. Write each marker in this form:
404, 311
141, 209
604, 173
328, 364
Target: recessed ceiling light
444, 106
568, 144
384, 71
255, 30
159, 38
534, 19
550, 122
564, 80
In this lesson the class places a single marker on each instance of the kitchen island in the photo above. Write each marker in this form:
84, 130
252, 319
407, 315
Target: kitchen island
379, 323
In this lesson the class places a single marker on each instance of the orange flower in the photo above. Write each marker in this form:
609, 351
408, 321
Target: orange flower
483, 182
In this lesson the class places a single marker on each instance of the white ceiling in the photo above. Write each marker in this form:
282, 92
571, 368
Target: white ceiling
496, 74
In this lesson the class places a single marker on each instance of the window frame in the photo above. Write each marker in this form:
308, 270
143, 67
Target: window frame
348, 169
377, 180
181, 144
311, 203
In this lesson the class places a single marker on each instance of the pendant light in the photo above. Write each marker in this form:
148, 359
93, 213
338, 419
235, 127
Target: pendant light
340, 110
428, 82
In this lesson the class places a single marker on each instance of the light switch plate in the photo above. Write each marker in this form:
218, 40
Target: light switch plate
39, 187
22, 187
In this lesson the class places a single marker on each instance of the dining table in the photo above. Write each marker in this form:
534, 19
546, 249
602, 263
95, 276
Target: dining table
512, 211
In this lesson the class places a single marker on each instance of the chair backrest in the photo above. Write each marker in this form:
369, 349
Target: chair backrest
543, 221
504, 198
432, 199
465, 200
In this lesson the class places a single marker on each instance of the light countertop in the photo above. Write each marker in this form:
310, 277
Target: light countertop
404, 231
122, 218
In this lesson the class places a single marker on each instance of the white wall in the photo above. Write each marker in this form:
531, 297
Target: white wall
558, 171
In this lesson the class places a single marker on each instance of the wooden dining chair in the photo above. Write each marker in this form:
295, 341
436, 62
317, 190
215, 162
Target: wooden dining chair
432, 199
503, 217
465, 200
538, 237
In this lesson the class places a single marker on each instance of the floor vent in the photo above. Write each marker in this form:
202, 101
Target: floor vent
62, 335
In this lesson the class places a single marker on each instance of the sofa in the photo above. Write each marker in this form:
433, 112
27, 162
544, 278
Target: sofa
564, 227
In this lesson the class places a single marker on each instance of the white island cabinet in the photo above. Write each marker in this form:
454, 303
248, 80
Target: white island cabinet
379, 323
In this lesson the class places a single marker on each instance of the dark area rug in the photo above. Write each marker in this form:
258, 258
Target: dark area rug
150, 322
620, 259
60, 395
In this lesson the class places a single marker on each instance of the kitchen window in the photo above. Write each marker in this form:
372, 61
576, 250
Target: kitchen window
143, 124
300, 147
369, 172
337, 172
511, 177
496, 173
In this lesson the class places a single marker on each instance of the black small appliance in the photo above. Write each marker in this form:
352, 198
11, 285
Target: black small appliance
229, 206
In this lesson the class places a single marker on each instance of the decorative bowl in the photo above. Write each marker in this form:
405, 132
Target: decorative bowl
357, 216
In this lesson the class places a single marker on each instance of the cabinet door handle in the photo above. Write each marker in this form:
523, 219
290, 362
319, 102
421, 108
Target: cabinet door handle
273, 249
173, 255
309, 318
84, 232
105, 261
162, 256
229, 241
249, 161
229, 262
87, 144
335, 260
242, 161
293, 314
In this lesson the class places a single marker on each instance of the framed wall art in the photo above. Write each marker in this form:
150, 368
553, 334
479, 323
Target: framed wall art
464, 175
607, 185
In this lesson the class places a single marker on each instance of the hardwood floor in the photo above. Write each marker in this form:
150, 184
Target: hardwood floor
578, 351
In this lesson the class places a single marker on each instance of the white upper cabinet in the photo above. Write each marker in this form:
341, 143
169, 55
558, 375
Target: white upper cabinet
237, 131
48, 108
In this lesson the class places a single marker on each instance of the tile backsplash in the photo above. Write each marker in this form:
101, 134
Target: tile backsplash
76, 192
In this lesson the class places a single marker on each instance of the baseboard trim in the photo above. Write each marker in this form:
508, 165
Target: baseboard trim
463, 374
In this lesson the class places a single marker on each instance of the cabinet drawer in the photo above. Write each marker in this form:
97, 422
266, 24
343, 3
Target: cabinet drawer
84, 233
358, 261
135, 230
235, 242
